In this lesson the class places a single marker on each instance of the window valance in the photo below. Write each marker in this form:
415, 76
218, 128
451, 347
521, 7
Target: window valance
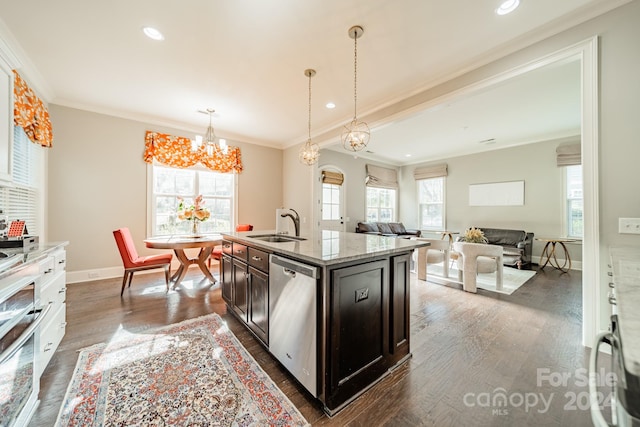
569, 155
335, 178
428, 172
380, 177
30, 113
179, 152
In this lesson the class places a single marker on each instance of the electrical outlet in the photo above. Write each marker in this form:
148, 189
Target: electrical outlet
629, 225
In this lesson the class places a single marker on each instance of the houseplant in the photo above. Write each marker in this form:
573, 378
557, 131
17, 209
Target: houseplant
474, 235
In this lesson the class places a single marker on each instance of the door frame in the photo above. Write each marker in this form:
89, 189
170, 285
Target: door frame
317, 195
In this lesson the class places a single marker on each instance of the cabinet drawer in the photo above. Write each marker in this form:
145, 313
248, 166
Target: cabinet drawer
53, 289
50, 337
259, 259
226, 247
46, 267
60, 260
240, 251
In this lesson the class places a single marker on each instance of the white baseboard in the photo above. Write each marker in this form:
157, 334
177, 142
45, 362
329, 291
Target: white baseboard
112, 273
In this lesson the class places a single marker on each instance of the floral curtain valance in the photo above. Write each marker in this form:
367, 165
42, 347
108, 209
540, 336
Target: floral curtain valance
179, 152
30, 113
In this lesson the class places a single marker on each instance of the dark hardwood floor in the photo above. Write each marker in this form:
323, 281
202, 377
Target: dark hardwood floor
468, 351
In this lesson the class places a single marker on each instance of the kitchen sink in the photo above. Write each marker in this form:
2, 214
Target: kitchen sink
277, 238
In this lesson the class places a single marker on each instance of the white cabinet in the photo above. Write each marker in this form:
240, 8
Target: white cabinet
52, 291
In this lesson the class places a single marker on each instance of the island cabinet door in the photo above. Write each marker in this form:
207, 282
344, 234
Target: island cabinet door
240, 302
359, 329
399, 310
259, 304
226, 273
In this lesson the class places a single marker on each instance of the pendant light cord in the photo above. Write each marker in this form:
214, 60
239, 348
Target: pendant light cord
355, 76
309, 140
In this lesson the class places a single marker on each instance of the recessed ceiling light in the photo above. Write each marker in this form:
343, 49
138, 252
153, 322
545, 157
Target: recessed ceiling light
507, 6
407, 155
330, 105
152, 33
487, 141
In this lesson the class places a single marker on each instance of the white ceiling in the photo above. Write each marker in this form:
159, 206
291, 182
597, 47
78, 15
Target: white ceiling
246, 59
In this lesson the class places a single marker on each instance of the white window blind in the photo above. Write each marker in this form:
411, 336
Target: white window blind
21, 200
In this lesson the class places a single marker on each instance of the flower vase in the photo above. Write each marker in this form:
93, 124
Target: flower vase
194, 227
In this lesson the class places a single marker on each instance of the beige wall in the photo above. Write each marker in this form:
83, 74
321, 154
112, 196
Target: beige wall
97, 182
535, 164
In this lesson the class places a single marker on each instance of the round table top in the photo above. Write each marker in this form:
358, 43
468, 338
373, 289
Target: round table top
557, 239
184, 242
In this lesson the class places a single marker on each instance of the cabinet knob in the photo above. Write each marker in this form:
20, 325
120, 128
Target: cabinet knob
612, 285
256, 258
48, 270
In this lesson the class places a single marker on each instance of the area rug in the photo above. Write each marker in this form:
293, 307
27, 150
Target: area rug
191, 373
512, 278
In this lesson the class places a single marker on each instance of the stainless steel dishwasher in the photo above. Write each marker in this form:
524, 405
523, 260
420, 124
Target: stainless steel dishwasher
292, 318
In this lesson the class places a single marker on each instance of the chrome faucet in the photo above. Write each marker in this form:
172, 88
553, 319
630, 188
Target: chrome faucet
295, 219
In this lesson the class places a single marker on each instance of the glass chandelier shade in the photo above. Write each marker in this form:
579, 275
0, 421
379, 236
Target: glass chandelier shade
309, 152
356, 134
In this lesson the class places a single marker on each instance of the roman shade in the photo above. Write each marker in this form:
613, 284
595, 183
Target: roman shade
30, 113
335, 178
428, 172
380, 177
569, 155
179, 152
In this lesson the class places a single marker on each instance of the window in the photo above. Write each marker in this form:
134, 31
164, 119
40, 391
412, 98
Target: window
168, 184
431, 203
381, 204
330, 202
23, 200
574, 202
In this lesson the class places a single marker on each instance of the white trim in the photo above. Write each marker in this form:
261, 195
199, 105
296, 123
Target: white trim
575, 265
591, 299
316, 213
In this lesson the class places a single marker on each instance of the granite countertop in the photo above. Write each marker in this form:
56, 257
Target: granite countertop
626, 278
19, 257
326, 247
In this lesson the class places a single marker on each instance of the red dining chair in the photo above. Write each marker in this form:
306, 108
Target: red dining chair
216, 254
132, 262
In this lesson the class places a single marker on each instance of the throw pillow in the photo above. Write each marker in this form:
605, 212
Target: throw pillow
384, 228
397, 228
367, 227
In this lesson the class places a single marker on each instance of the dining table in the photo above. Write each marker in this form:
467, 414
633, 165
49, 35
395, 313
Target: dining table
179, 244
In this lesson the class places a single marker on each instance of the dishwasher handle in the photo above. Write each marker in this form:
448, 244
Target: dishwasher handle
596, 414
291, 267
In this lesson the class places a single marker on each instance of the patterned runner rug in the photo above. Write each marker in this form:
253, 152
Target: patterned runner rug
191, 373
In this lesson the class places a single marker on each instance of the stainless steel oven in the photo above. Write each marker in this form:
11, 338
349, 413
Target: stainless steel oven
20, 316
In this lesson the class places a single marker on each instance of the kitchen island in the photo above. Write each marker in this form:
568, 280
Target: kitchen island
332, 307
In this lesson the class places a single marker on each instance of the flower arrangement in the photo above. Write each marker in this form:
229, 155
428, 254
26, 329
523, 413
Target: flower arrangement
474, 235
195, 212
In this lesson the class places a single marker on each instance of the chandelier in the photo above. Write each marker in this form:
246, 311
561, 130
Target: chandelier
211, 141
355, 135
309, 153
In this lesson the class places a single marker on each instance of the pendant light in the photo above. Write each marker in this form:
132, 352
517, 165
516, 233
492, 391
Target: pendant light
211, 141
355, 135
309, 152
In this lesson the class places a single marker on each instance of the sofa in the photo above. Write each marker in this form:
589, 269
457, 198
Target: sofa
389, 229
516, 244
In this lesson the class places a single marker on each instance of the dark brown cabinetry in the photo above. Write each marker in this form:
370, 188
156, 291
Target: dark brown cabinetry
245, 286
368, 325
